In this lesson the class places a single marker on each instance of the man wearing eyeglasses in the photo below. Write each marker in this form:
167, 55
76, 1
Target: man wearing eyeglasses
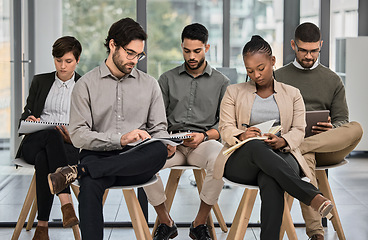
112, 106
322, 89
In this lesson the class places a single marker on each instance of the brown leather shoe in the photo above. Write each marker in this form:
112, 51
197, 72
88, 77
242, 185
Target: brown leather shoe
69, 217
62, 178
41, 233
317, 237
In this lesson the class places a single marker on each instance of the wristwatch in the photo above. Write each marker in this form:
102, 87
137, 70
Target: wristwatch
205, 136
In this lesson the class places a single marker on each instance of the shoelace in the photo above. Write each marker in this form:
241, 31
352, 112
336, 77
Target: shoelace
70, 176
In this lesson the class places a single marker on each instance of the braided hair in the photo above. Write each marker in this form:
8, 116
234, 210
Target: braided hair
257, 45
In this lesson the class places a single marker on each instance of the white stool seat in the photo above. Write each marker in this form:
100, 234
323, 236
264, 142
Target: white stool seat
343, 162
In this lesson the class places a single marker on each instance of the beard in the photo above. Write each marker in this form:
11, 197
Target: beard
306, 63
199, 64
123, 67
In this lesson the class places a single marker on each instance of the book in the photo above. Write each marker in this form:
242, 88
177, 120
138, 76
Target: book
312, 118
31, 127
265, 127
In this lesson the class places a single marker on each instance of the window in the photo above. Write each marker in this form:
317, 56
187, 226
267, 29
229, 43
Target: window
89, 22
4, 72
249, 18
165, 22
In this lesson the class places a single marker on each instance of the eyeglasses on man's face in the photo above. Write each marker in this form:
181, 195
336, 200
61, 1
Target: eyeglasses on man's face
305, 52
131, 54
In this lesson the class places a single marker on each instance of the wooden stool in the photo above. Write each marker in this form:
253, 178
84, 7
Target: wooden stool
139, 222
31, 200
242, 216
324, 187
170, 190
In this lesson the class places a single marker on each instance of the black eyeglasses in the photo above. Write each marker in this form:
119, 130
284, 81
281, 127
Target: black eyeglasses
306, 52
131, 55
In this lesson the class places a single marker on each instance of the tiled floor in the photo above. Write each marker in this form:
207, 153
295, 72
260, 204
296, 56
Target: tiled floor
349, 184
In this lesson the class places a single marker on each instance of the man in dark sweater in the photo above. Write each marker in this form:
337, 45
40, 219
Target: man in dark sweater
322, 89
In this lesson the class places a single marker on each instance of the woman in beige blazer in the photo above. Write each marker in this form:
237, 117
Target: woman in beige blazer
274, 164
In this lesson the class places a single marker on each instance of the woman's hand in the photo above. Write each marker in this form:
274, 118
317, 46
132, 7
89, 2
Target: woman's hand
64, 133
249, 133
32, 118
274, 141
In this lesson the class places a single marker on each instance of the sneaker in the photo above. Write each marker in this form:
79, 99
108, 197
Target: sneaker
62, 178
200, 232
164, 232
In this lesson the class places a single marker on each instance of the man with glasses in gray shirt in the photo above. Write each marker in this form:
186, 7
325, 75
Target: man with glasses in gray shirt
192, 94
112, 106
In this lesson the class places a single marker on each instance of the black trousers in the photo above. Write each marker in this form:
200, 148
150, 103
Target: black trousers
255, 163
113, 168
47, 151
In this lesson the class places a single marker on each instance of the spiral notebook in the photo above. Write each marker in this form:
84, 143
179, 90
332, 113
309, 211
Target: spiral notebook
31, 127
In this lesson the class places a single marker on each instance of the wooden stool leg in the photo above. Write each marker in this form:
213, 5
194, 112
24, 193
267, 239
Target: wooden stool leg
324, 186
199, 180
31, 194
287, 222
170, 190
135, 211
216, 210
32, 215
241, 219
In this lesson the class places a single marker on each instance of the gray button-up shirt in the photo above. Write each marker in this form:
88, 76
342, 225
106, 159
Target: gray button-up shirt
103, 108
192, 103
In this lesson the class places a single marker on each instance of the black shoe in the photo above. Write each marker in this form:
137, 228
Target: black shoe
164, 232
200, 232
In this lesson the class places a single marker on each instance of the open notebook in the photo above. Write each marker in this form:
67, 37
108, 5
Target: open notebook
265, 127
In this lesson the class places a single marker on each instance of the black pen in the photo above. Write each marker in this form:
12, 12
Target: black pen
245, 125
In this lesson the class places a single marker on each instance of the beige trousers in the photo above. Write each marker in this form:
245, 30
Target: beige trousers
326, 148
204, 156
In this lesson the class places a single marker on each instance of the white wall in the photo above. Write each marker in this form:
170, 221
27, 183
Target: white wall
356, 85
48, 27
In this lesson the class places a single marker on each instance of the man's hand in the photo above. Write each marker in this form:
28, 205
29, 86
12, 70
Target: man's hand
249, 133
194, 141
133, 136
170, 150
322, 126
64, 133
274, 141
32, 118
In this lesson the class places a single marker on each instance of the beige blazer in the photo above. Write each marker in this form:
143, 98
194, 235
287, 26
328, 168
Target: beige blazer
235, 110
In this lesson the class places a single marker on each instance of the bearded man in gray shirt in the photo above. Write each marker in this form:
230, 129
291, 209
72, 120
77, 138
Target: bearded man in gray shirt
112, 106
192, 94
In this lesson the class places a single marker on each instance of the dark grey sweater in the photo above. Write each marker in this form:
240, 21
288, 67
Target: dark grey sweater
321, 89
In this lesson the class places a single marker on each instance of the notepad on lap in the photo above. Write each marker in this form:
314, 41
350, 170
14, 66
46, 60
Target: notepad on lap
31, 127
265, 127
312, 118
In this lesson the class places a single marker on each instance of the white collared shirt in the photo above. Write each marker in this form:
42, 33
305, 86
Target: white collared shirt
57, 105
296, 64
